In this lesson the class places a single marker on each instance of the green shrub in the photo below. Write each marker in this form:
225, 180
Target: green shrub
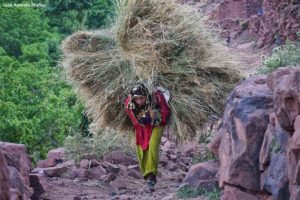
186, 192
244, 25
283, 56
78, 146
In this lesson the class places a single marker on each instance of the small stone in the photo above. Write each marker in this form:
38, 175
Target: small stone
84, 164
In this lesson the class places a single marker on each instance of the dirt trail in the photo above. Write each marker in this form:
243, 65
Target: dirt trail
123, 187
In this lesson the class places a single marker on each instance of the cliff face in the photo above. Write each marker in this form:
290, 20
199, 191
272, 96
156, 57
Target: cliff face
280, 20
265, 21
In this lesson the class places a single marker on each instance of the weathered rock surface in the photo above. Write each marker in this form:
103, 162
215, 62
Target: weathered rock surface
203, 175
4, 178
118, 157
15, 155
244, 124
258, 143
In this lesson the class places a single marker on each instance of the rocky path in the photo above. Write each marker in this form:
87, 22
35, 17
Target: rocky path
116, 176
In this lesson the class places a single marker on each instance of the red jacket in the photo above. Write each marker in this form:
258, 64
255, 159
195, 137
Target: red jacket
143, 133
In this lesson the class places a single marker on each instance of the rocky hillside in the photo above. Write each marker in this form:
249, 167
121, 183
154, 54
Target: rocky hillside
263, 21
258, 142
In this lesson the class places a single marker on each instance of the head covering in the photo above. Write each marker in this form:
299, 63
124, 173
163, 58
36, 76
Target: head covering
139, 90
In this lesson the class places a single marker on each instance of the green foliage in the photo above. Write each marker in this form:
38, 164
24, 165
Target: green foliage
244, 25
70, 15
96, 146
17, 31
282, 56
186, 192
37, 107
275, 147
204, 156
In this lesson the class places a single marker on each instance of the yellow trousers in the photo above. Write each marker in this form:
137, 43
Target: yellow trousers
149, 159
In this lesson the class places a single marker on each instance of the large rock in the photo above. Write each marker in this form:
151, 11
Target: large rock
245, 121
39, 184
281, 18
19, 166
203, 175
54, 157
285, 85
294, 162
4, 178
233, 193
56, 171
265, 152
275, 180
118, 157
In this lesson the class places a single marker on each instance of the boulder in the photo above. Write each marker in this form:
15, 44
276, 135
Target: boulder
84, 164
119, 183
275, 180
19, 166
54, 157
118, 157
111, 167
4, 178
58, 154
245, 121
81, 173
56, 171
109, 177
134, 171
233, 193
39, 184
203, 175
97, 172
285, 84
15, 180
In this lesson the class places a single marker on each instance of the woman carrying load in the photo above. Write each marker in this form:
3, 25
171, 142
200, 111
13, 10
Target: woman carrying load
149, 114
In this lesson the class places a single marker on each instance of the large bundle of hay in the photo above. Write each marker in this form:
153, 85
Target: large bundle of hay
160, 42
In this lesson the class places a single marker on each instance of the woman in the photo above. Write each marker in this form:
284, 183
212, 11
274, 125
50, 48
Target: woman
148, 114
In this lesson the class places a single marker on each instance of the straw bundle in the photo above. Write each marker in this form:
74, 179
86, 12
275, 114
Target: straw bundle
160, 42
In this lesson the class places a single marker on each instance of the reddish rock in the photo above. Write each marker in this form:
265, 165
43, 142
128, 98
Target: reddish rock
46, 163
233, 193
95, 163
118, 157
57, 154
275, 180
81, 173
97, 172
265, 152
109, 177
16, 180
119, 183
15, 194
39, 184
56, 171
134, 171
19, 165
135, 174
54, 157
4, 178
203, 175
296, 135
243, 127
285, 85
111, 167
85, 164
